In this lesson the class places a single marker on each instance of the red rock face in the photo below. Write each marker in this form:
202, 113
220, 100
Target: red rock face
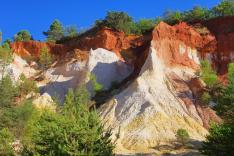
32, 48
223, 30
179, 44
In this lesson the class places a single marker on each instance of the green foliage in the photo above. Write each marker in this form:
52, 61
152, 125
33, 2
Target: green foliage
23, 35
16, 117
8, 92
77, 131
71, 31
220, 141
76, 101
97, 87
5, 56
6, 138
144, 25
120, 21
182, 136
208, 75
172, 17
225, 106
55, 32
26, 86
197, 13
45, 57
6, 45
206, 98
225, 8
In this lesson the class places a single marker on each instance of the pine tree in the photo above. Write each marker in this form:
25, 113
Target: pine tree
56, 31
74, 131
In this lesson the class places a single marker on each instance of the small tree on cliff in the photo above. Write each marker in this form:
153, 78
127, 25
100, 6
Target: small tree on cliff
182, 136
117, 20
55, 32
208, 75
45, 58
23, 35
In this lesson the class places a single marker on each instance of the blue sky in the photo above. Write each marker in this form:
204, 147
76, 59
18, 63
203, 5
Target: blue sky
37, 15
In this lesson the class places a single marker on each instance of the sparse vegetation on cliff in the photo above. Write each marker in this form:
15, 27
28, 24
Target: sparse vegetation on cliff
45, 57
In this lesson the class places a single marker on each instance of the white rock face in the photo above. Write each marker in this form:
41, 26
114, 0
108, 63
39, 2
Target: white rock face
44, 102
105, 65
18, 67
63, 77
149, 111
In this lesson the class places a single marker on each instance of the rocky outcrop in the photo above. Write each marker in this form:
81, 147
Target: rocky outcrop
17, 67
44, 102
160, 101
32, 49
105, 65
223, 54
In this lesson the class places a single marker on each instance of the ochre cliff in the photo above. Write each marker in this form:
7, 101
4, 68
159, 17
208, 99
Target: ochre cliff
32, 48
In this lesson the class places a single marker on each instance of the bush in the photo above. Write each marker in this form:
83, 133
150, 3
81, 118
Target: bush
6, 139
77, 131
182, 136
6, 44
15, 118
225, 8
23, 35
120, 21
208, 75
172, 17
197, 13
8, 92
45, 58
206, 98
26, 86
71, 31
225, 106
144, 25
97, 87
220, 141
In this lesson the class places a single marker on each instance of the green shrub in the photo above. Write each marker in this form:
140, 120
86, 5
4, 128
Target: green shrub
225, 8
120, 21
208, 75
172, 17
26, 86
6, 139
76, 131
197, 13
45, 57
182, 136
144, 25
225, 107
8, 92
23, 35
97, 87
15, 118
206, 98
220, 141
71, 31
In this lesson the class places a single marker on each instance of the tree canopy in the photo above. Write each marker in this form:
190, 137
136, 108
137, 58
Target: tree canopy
23, 35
